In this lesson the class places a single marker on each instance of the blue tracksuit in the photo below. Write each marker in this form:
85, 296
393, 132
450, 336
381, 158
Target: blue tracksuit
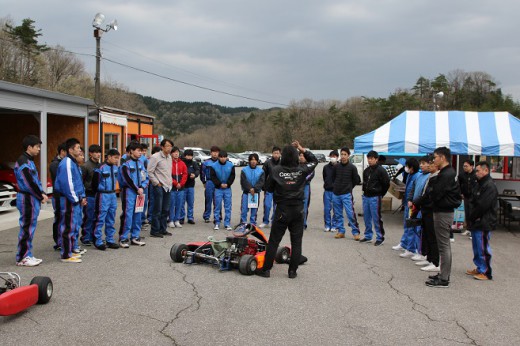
250, 178
28, 203
104, 186
410, 239
222, 174
69, 184
132, 176
209, 191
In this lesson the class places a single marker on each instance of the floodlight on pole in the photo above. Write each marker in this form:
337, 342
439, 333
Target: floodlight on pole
98, 31
439, 95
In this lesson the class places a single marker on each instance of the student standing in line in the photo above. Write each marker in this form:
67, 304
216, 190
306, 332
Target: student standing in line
251, 182
209, 187
133, 179
53, 169
87, 169
375, 185
189, 188
29, 200
69, 184
179, 178
105, 204
269, 205
345, 177
445, 195
222, 175
482, 220
328, 208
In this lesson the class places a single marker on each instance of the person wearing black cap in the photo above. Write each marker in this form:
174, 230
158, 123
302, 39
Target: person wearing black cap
287, 183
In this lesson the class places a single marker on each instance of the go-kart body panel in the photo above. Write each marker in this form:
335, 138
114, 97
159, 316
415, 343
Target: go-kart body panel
18, 299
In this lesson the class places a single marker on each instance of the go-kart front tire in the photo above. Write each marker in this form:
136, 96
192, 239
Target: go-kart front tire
282, 255
177, 252
45, 288
247, 265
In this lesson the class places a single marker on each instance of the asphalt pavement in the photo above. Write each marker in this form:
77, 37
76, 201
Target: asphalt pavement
347, 294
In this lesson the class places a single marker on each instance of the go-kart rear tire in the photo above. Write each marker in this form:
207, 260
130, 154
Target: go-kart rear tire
247, 265
45, 288
282, 255
177, 252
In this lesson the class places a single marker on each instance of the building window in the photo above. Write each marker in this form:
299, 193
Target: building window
112, 142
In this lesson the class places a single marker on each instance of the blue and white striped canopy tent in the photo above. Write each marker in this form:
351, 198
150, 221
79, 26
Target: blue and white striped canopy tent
465, 133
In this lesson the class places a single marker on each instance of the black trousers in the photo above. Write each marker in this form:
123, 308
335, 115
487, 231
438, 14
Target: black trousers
57, 215
286, 217
428, 240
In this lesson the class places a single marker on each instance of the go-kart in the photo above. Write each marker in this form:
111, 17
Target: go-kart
236, 251
15, 298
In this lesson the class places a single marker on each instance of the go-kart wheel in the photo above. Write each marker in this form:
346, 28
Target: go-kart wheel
247, 265
178, 252
282, 255
45, 288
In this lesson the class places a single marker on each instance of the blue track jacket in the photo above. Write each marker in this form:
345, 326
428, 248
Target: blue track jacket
69, 181
27, 176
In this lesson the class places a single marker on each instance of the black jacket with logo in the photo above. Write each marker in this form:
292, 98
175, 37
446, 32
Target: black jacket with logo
288, 183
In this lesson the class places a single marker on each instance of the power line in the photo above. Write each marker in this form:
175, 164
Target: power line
189, 72
194, 85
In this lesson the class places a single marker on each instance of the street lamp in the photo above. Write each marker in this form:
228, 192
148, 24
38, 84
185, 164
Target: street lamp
439, 95
98, 31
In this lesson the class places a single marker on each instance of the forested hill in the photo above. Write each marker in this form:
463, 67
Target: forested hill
179, 117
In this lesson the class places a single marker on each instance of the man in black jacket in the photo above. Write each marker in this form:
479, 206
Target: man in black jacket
189, 188
345, 176
328, 184
445, 195
482, 220
467, 181
287, 183
375, 185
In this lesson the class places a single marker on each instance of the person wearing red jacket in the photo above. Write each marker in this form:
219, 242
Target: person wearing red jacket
179, 177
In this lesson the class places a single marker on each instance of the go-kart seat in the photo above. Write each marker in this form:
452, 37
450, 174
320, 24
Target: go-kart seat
218, 245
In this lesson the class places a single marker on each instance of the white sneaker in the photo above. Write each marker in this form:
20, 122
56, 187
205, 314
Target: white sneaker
422, 263
262, 225
431, 268
27, 262
216, 227
229, 228
171, 224
178, 224
397, 247
39, 260
406, 254
333, 229
418, 257
466, 232
327, 229
452, 240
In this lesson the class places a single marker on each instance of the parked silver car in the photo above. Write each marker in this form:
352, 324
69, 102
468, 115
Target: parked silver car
7, 197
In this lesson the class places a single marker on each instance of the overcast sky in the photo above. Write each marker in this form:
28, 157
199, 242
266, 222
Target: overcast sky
284, 50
